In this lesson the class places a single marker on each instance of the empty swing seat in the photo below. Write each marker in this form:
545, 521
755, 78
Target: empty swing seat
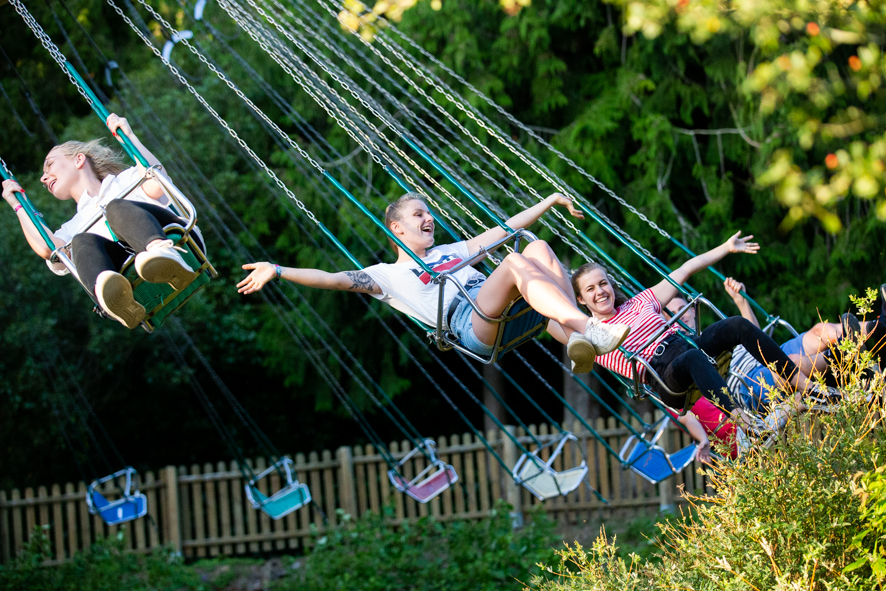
541, 479
291, 497
430, 482
655, 464
131, 505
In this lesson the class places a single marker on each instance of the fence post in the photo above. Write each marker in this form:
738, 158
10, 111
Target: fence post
347, 490
666, 486
173, 526
513, 491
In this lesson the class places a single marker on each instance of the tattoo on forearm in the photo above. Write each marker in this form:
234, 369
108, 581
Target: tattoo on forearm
361, 281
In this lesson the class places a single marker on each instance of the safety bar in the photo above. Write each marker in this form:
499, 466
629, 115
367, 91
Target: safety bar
630, 355
777, 320
481, 254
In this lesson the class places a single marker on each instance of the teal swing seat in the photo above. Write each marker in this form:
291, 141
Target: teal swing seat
541, 479
291, 497
131, 504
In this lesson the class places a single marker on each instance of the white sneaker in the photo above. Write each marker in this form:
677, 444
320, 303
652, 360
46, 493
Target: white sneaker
582, 353
162, 263
114, 294
606, 337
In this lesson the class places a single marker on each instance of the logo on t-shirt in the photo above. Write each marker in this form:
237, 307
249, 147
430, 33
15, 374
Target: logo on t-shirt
444, 264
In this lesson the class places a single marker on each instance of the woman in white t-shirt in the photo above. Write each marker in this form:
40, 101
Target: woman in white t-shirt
677, 362
536, 274
93, 176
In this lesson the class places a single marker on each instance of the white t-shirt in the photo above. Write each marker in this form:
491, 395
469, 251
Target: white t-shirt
112, 187
408, 288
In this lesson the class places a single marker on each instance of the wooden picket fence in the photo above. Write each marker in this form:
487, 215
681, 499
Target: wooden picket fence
202, 510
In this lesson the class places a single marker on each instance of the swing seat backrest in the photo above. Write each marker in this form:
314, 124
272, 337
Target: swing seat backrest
292, 496
119, 511
430, 482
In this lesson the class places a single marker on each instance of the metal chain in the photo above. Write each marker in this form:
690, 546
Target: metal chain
353, 93
531, 133
213, 112
48, 44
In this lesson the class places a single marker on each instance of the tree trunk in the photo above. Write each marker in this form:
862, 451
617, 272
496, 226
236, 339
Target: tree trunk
577, 397
494, 378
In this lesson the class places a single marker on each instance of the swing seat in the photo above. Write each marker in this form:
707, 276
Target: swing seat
160, 299
539, 477
655, 464
292, 496
430, 482
130, 506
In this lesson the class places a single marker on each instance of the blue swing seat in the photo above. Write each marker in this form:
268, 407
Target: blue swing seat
131, 505
650, 460
291, 497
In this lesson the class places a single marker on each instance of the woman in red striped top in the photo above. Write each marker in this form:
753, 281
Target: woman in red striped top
678, 363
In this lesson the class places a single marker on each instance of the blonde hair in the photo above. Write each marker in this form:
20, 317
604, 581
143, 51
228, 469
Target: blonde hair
103, 161
395, 210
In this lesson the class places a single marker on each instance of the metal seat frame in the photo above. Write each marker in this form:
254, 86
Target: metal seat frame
291, 486
446, 341
545, 467
430, 473
128, 496
180, 204
630, 445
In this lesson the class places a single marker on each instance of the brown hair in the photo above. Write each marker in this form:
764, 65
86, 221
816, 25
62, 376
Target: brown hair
395, 210
620, 297
103, 161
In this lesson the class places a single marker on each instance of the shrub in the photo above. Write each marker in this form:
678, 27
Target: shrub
374, 555
807, 513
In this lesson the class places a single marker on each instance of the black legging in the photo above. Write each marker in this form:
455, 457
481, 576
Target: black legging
135, 224
681, 364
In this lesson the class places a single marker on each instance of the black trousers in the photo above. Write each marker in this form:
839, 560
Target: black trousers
134, 223
681, 365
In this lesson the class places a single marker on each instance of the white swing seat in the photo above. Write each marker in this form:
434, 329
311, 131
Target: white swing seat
541, 479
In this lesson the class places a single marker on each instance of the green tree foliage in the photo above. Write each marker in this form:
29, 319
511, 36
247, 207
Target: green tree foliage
810, 74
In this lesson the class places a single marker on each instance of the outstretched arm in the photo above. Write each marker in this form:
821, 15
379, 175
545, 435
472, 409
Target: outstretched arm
524, 219
35, 241
734, 289
262, 273
665, 292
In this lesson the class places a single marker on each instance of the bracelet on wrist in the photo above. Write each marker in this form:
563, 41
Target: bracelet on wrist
15, 208
279, 271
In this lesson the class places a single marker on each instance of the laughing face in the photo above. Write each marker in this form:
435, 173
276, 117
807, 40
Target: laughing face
61, 173
415, 227
596, 293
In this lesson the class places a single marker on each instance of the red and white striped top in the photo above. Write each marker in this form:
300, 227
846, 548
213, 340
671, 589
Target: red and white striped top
643, 314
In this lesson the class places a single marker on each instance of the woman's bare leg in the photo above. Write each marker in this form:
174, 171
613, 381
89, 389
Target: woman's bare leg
520, 275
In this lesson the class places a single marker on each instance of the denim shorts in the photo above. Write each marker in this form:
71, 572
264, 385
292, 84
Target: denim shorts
461, 324
761, 379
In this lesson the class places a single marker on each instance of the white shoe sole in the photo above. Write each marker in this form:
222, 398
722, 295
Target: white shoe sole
114, 294
622, 333
160, 269
583, 355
